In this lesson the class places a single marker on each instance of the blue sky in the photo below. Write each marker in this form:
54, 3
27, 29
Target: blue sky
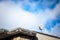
30, 14
40, 5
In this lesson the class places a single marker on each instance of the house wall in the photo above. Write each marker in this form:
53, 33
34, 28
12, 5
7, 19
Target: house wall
44, 37
39, 36
19, 38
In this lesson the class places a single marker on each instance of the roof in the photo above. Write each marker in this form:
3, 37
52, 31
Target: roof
16, 31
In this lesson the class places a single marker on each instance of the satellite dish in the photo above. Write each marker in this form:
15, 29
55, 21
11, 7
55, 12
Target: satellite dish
40, 27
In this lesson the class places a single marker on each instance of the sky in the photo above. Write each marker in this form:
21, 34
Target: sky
30, 14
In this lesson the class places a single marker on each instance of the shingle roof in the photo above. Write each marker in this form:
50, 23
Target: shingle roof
16, 31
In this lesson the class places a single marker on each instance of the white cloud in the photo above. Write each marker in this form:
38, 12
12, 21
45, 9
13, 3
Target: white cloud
13, 16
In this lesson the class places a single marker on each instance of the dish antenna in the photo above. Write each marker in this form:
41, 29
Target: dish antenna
41, 27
